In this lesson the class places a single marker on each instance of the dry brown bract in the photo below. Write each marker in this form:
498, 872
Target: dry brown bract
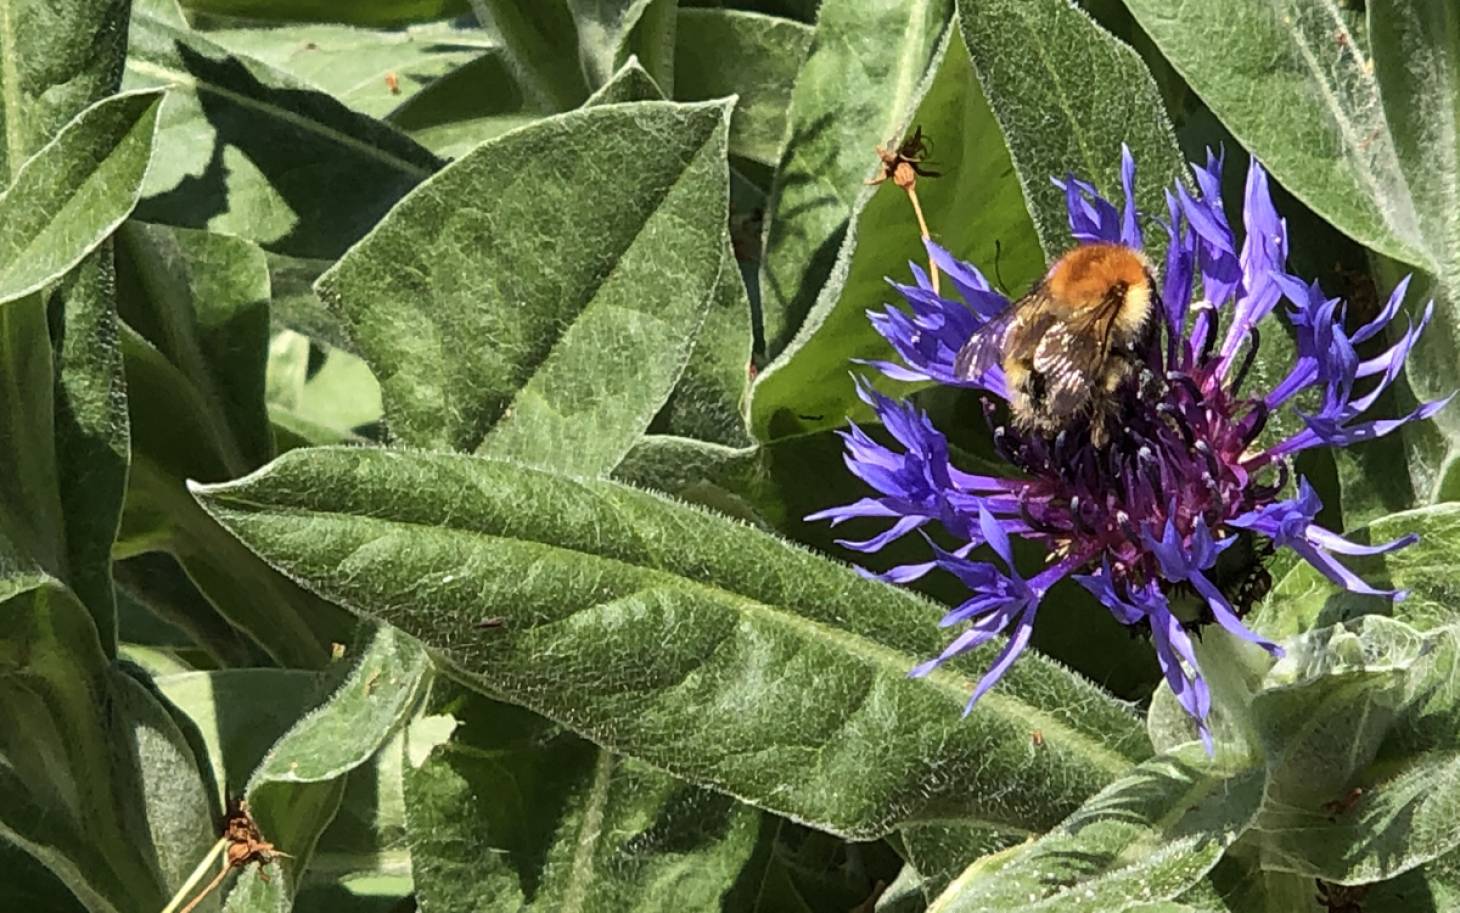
245, 844
903, 165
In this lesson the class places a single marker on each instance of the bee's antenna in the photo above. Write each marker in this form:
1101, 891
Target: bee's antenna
998, 276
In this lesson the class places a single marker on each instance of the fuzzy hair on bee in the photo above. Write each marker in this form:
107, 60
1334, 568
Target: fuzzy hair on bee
1068, 347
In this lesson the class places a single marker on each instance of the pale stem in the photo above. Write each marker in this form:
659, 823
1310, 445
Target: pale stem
197, 876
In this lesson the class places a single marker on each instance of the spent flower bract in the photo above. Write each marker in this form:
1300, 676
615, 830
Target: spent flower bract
1142, 522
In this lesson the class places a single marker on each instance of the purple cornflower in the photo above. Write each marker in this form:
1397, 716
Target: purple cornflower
1148, 516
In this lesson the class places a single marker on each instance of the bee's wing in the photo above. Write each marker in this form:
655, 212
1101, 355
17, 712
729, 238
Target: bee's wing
1069, 358
985, 348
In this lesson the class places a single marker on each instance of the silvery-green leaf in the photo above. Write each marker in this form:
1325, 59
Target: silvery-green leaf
247, 150
542, 323
1365, 134
196, 311
858, 88
517, 813
65, 200
297, 787
1360, 730
59, 59
1067, 95
65, 415
1142, 840
650, 627
975, 208
71, 794
750, 55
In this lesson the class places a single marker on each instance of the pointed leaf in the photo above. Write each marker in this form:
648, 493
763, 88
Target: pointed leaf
297, 787
197, 305
1360, 727
750, 55
66, 199
857, 90
516, 813
247, 150
1067, 94
651, 627
975, 209
1147, 837
57, 61
1328, 141
564, 362
71, 791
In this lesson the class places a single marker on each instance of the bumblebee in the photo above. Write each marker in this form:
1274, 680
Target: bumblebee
1069, 346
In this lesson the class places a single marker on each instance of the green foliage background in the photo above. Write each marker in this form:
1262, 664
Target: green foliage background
410, 408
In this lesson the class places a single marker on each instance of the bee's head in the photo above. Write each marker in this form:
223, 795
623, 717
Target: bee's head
1102, 274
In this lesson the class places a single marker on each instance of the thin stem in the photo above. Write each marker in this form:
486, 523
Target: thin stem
196, 877
912, 194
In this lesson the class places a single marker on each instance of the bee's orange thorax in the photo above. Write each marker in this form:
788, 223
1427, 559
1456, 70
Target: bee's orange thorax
1084, 277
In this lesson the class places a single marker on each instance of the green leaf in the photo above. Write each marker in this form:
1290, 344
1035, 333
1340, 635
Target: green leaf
630, 83
318, 391
57, 59
557, 340
709, 400
861, 82
1373, 707
487, 97
67, 198
180, 810
1366, 135
196, 307
377, 13
247, 150
650, 627
516, 813
91, 428
975, 209
942, 852
1147, 837
71, 792
364, 851
61, 59
1304, 599
1067, 94
236, 715
476, 102
1416, 54
541, 40
201, 302
609, 33
755, 57
296, 789
371, 70
155, 589
1329, 141
563, 50
1434, 887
